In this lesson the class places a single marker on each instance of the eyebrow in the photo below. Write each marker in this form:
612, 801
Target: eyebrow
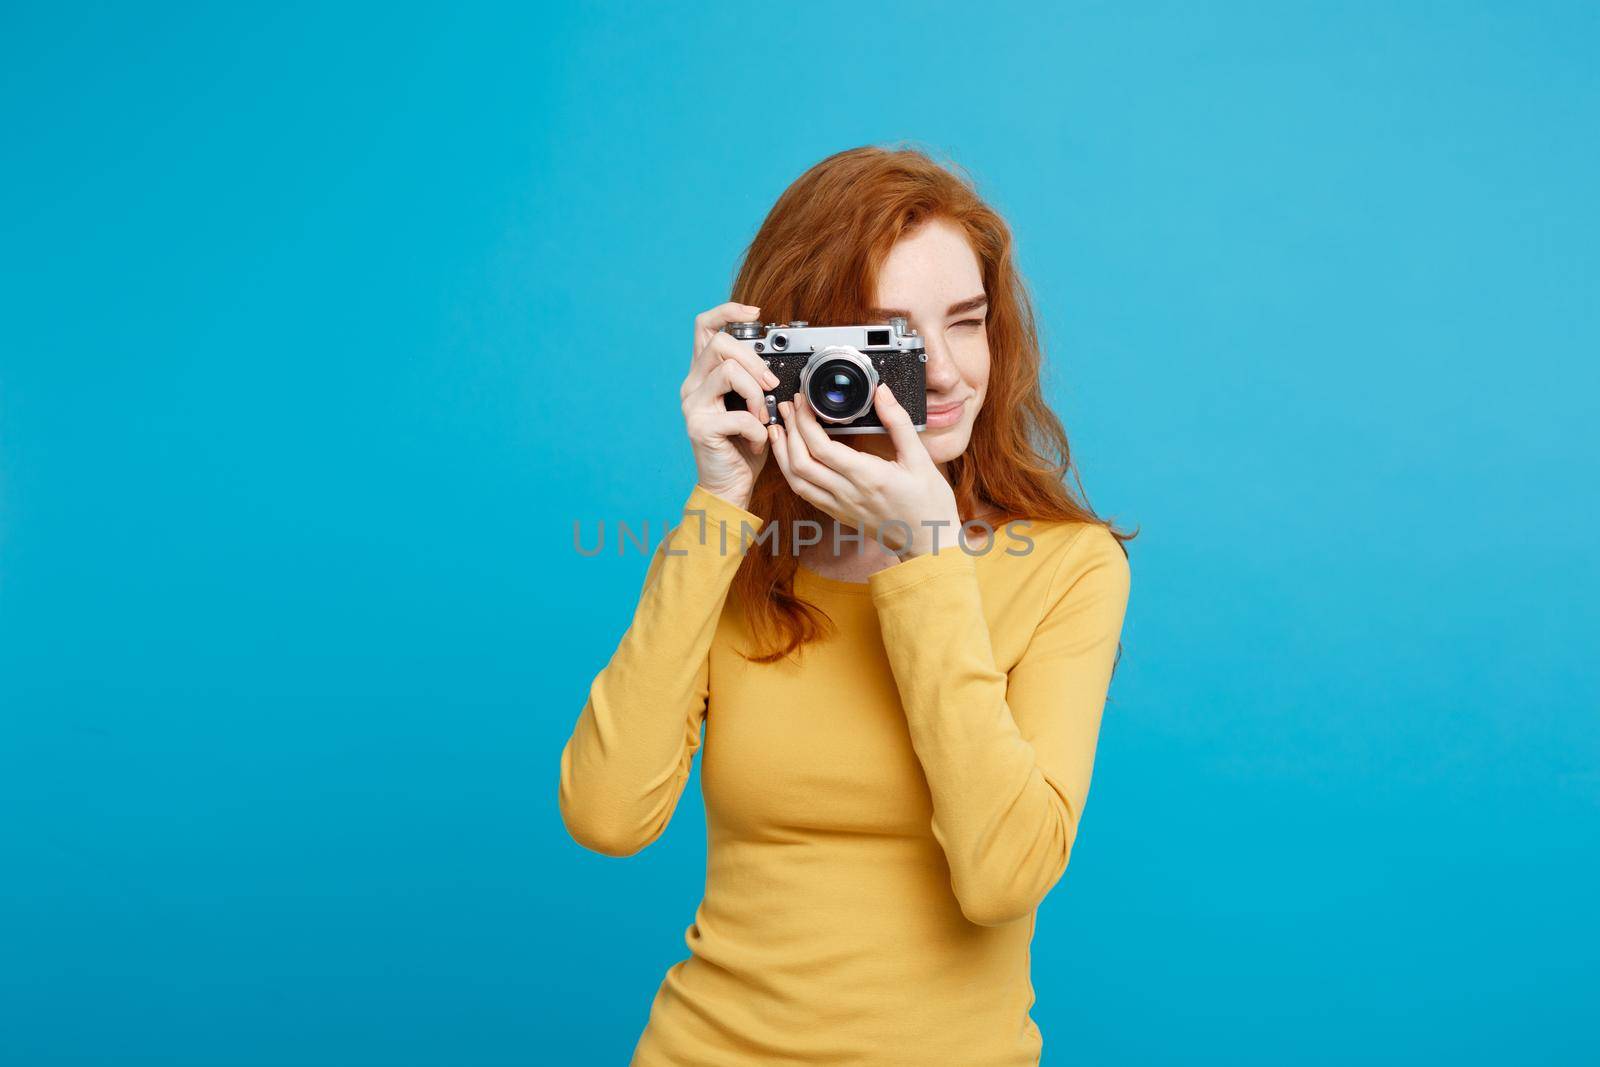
971, 303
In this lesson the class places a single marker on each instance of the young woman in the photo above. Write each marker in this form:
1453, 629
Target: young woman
899, 728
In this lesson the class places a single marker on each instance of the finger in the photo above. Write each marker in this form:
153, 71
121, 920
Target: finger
801, 459
834, 454
726, 346
737, 424
804, 488
908, 445
710, 322
780, 448
721, 348
727, 376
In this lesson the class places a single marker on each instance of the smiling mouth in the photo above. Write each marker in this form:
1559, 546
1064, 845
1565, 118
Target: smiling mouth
945, 414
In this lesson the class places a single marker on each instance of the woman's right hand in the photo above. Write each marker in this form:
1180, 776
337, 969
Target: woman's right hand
730, 447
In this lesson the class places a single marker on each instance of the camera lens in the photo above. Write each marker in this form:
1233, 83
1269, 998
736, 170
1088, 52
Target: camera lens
838, 390
838, 382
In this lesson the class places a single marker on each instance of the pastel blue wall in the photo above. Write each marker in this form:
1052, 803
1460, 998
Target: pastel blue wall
319, 328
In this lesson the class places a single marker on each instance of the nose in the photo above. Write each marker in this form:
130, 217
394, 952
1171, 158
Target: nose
942, 374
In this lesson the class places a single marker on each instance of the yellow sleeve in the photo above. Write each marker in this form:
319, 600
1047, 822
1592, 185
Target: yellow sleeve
1007, 758
628, 758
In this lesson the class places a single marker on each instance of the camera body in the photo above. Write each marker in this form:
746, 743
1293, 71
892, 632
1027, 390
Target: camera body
837, 368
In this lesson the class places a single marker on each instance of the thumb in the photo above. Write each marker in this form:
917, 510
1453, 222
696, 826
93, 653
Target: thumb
908, 445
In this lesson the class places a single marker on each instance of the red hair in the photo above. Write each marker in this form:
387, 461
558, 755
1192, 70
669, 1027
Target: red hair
816, 258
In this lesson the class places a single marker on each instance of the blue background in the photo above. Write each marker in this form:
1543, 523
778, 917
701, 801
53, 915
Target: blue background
321, 327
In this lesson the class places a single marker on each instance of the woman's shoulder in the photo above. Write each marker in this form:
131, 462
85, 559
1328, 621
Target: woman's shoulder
1060, 552
1054, 539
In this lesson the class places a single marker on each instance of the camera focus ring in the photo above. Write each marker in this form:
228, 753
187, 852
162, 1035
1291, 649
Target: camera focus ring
838, 383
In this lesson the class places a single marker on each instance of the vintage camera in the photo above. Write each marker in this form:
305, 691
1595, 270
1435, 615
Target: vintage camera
836, 369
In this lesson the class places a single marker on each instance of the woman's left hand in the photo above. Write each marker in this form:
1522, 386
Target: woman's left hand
904, 502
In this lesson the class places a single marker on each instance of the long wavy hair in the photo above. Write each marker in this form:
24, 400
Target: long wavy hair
816, 258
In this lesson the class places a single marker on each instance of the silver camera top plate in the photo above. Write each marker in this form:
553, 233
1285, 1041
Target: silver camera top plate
800, 338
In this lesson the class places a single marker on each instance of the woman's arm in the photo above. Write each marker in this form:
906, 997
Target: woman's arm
628, 758
1007, 758
626, 763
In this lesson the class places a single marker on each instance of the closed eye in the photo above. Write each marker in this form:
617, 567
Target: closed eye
970, 322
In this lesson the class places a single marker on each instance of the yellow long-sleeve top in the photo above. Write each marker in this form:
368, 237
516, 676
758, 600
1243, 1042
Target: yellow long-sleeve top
883, 816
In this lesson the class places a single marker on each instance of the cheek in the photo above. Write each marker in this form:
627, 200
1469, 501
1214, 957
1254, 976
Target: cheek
975, 370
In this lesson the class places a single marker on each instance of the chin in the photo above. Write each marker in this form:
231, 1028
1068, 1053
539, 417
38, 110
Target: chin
946, 443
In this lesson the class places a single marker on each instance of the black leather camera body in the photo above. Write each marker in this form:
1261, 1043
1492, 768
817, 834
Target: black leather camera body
837, 368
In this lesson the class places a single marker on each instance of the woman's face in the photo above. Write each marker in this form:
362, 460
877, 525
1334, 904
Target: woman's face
932, 278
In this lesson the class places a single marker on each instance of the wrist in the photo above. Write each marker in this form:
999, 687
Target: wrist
930, 538
739, 498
